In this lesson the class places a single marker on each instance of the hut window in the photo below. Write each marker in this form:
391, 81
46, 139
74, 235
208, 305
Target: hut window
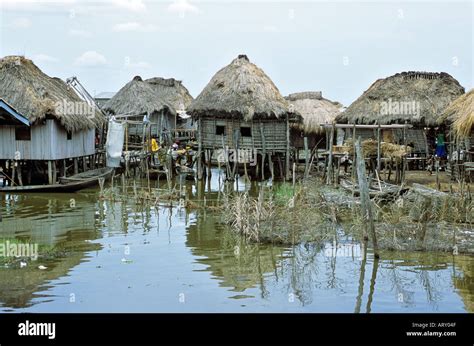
220, 130
246, 131
22, 133
69, 135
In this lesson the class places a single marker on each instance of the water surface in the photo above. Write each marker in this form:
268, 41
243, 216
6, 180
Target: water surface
126, 258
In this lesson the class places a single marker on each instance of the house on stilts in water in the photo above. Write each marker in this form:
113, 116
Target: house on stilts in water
315, 110
414, 98
242, 111
162, 101
46, 129
460, 116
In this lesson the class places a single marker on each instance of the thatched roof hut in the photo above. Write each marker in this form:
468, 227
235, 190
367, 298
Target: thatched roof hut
315, 110
241, 90
418, 98
461, 114
149, 96
172, 91
35, 95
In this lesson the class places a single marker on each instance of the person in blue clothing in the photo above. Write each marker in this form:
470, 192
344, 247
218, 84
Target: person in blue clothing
440, 153
440, 147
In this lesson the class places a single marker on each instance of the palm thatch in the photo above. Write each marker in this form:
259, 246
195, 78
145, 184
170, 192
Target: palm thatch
241, 90
172, 91
148, 96
35, 95
137, 97
461, 115
314, 109
421, 98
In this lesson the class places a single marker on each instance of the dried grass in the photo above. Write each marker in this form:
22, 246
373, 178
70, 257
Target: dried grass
241, 90
433, 91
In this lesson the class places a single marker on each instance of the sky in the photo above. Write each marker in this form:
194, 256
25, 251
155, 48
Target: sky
337, 47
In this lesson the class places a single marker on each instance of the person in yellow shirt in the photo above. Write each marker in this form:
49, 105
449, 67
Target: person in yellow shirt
154, 145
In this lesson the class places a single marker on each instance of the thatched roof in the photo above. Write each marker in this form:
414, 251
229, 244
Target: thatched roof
418, 98
172, 91
315, 109
35, 95
241, 90
147, 96
461, 114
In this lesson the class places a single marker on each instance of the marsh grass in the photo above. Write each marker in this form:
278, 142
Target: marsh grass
281, 215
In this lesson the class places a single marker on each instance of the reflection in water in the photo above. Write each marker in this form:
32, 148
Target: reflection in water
44, 221
124, 257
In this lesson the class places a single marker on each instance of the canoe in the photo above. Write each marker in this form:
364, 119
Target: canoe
66, 184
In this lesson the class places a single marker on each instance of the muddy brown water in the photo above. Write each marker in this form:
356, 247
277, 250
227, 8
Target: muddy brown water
120, 257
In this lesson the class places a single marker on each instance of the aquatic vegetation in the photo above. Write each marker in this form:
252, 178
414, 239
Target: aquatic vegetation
279, 216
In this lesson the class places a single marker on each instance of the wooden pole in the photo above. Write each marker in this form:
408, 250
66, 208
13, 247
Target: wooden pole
20, 178
379, 164
270, 163
404, 157
287, 159
13, 172
306, 157
366, 207
329, 168
264, 148
55, 172
294, 177
199, 158
353, 172
50, 173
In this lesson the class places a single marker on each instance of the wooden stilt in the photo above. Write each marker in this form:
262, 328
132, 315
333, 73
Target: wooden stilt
270, 164
329, 168
29, 172
287, 158
306, 158
13, 172
379, 151
50, 172
366, 207
76, 166
55, 172
20, 179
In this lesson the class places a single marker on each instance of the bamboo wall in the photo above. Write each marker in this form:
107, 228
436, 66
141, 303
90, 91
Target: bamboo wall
274, 134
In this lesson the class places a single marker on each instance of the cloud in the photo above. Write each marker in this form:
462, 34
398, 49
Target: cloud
134, 26
44, 58
20, 23
182, 7
132, 5
90, 58
80, 33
